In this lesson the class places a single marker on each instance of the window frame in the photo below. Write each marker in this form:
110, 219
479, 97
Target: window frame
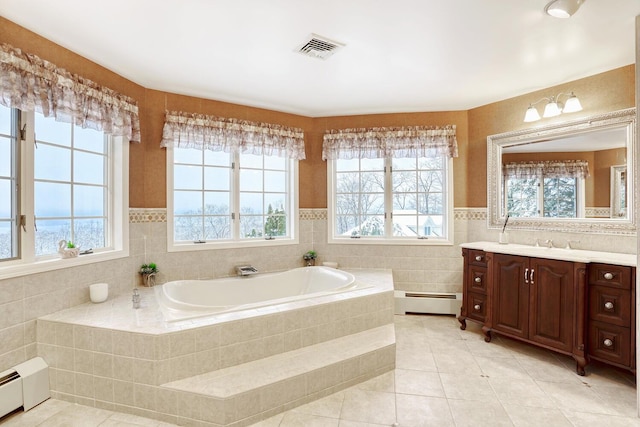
235, 241
117, 207
448, 235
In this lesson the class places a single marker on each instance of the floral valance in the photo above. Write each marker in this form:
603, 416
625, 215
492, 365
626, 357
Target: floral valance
379, 142
549, 169
227, 134
30, 83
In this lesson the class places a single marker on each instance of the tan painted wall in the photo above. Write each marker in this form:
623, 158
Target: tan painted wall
609, 91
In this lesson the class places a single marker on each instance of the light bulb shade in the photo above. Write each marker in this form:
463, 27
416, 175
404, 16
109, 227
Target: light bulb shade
551, 110
572, 105
562, 8
531, 115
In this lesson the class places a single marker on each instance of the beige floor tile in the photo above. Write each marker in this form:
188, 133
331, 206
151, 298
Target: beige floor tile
416, 360
585, 419
523, 392
457, 363
467, 387
36, 415
296, 419
369, 406
423, 411
418, 382
572, 396
620, 398
467, 413
500, 367
344, 423
270, 422
525, 416
329, 406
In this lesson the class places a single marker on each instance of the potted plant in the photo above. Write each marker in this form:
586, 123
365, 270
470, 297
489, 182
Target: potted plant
310, 257
148, 272
67, 249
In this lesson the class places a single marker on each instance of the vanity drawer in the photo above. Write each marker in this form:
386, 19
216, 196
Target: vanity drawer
476, 306
477, 279
610, 342
617, 276
610, 305
477, 257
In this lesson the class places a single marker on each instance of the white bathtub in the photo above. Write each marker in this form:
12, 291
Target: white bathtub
187, 299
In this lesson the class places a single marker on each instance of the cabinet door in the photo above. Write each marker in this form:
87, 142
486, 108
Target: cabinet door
552, 303
510, 295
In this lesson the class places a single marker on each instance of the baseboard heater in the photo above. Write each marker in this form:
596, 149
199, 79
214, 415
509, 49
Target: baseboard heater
25, 385
427, 302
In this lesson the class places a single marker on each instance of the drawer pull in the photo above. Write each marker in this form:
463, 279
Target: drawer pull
608, 276
608, 305
608, 342
476, 307
478, 257
477, 280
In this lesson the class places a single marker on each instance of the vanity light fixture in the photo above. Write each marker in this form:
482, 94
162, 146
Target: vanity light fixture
554, 107
563, 8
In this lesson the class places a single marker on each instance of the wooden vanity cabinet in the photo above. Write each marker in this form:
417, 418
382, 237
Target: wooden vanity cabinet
530, 299
611, 327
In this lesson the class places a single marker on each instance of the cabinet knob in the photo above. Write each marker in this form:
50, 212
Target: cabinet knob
608, 305
476, 307
608, 342
608, 276
477, 280
478, 257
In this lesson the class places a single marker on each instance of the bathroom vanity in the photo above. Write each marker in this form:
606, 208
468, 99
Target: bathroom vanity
576, 302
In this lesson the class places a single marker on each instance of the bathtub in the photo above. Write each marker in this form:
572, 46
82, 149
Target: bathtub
188, 299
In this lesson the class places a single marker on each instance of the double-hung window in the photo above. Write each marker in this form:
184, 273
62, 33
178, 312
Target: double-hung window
228, 196
396, 193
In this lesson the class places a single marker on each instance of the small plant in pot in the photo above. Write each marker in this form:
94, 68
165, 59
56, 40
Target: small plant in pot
67, 249
310, 258
148, 272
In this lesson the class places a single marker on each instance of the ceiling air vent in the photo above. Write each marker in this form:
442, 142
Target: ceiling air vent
318, 47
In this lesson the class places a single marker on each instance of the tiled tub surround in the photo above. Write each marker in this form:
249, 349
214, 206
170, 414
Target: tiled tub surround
228, 369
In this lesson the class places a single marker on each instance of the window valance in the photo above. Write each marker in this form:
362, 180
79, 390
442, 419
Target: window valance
191, 130
379, 142
30, 83
550, 169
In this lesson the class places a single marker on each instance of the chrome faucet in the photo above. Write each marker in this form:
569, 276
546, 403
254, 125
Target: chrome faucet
246, 270
135, 299
547, 243
571, 244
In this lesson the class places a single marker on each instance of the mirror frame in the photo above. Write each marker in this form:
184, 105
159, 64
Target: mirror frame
495, 217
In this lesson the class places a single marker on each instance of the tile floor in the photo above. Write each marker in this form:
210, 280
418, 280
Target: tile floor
443, 377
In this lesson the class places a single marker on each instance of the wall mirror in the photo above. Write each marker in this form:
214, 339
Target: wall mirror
575, 176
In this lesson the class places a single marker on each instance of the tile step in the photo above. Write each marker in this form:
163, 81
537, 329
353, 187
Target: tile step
328, 363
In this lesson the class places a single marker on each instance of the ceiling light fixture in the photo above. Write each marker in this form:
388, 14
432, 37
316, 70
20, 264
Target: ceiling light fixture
563, 8
554, 107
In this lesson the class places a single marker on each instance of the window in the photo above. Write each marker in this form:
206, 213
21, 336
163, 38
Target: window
391, 199
559, 197
230, 199
63, 183
552, 189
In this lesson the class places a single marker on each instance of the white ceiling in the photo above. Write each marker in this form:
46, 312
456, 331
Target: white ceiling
400, 56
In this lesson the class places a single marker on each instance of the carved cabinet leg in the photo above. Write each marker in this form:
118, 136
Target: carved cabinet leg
487, 333
581, 362
463, 322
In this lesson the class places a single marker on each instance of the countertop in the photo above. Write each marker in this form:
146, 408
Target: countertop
575, 255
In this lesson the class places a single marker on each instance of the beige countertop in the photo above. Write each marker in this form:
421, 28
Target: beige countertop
575, 255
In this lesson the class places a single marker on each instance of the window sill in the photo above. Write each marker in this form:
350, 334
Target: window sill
22, 269
399, 242
186, 247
